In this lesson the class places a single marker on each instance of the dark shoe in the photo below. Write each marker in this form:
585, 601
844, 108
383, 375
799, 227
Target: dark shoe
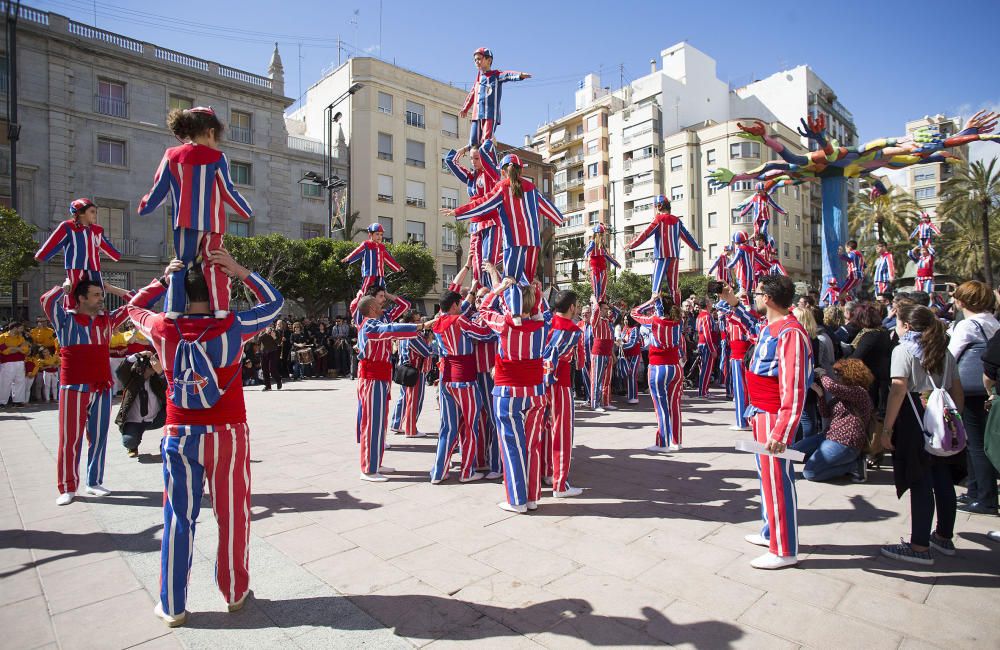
905, 553
963, 498
279, 386
942, 545
266, 388
977, 508
132, 453
860, 472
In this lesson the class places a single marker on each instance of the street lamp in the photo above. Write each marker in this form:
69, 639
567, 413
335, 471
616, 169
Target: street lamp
329, 119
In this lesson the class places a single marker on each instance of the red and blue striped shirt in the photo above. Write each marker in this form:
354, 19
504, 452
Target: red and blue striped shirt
82, 246
667, 231
520, 217
484, 98
374, 257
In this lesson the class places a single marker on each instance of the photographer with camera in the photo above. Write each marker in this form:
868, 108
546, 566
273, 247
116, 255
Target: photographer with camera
144, 399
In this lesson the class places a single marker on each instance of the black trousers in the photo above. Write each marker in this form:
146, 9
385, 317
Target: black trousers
269, 366
982, 482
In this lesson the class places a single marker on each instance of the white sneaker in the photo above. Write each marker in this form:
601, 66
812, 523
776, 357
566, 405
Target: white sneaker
171, 621
385, 470
374, 478
610, 407
97, 490
492, 476
418, 435
238, 605
674, 447
657, 450
547, 480
570, 491
436, 481
758, 540
388, 445
771, 561
398, 432
64, 499
600, 409
503, 505
993, 535
532, 505
633, 401
474, 477
736, 428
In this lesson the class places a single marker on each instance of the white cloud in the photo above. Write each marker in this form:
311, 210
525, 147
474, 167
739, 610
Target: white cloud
896, 177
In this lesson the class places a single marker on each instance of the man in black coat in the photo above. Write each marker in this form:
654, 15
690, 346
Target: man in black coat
144, 399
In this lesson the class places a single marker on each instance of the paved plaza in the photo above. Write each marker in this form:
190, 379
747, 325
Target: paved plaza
651, 554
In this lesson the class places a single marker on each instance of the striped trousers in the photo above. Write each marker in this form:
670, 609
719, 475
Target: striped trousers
82, 412
479, 132
923, 284
520, 263
667, 268
193, 455
460, 406
558, 441
373, 413
630, 368
779, 506
407, 409
600, 380
487, 446
723, 365
740, 398
484, 246
881, 287
520, 423
707, 355
599, 280
74, 276
369, 281
585, 376
666, 384
190, 246
850, 284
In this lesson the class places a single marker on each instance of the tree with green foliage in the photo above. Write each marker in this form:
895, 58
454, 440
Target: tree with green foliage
584, 290
461, 230
632, 288
269, 255
970, 201
571, 248
889, 217
692, 283
349, 227
17, 246
317, 278
418, 276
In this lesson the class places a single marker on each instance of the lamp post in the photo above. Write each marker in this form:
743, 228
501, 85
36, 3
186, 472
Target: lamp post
329, 119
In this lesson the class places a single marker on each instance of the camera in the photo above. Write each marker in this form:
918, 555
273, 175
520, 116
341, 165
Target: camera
715, 286
142, 362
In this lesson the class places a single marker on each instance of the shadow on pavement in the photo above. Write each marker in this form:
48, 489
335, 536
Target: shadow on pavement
75, 544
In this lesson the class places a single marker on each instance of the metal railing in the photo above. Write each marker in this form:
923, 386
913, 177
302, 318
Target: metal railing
246, 77
305, 144
86, 31
243, 134
181, 59
576, 182
418, 203
384, 155
387, 198
413, 162
415, 119
450, 134
572, 160
110, 106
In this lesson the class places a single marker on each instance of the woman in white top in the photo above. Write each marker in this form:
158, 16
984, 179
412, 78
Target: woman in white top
920, 362
968, 340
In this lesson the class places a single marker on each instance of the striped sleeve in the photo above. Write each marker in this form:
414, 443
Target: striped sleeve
777, 208
548, 210
109, 249
391, 331
355, 254
390, 261
741, 314
460, 172
687, 236
475, 330
645, 234
486, 156
401, 307
120, 315
793, 359
260, 316
52, 305
509, 75
419, 345
55, 243
229, 192
483, 205
611, 260
161, 187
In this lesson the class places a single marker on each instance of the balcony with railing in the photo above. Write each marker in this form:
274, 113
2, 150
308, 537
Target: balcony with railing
565, 141
569, 161
110, 106
415, 202
570, 184
415, 119
242, 134
414, 162
305, 144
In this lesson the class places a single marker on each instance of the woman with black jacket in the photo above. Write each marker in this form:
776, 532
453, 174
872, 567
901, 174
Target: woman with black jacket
871, 346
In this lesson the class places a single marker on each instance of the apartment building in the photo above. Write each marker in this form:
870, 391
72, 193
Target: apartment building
925, 181
93, 108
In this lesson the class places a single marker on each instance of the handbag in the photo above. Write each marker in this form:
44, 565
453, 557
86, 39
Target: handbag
992, 432
405, 375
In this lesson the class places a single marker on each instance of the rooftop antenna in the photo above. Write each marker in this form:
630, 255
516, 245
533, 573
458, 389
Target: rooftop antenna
354, 21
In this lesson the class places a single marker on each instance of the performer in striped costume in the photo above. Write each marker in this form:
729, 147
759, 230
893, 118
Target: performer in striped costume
484, 98
196, 177
374, 257
460, 399
759, 207
520, 207
631, 343
82, 242
779, 375
722, 337
855, 263
485, 351
745, 261
924, 257
667, 231
601, 354
666, 370
708, 350
484, 231
831, 295
399, 305
85, 382
925, 230
768, 262
884, 269
588, 341
563, 348
417, 353
598, 257
740, 340
519, 391
206, 438
720, 268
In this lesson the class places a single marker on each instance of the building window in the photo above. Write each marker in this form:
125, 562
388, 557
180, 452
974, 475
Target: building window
385, 103
386, 223
710, 157
415, 114
593, 146
593, 122
737, 219
546, 186
385, 188
785, 251
385, 146
311, 190
593, 170
444, 161
677, 193
313, 230
241, 127
798, 222
742, 186
112, 219
448, 273
744, 150
242, 173
239, 227
449, 125
415, 153
713, 219
676, 162
926, 175
111, 99
712, 249
798, 252
415, 195
111, 152
925, 193
449, 198
415, 232
784, 220
180, 103
712, 189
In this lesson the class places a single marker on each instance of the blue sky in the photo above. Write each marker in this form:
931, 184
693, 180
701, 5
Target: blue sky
887, 61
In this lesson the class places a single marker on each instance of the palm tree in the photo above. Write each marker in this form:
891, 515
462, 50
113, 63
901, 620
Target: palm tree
962, 252
350, 227
545, 253
572, 248
889, 217
973, 195
461, 230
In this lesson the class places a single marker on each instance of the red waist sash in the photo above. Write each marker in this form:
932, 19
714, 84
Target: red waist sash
763, 392
85, 364
740, 348
459, 368
925, 273
664, 356
520, 372
602, 347
379, 370
564, 375
598, 263
10, 358
634, 351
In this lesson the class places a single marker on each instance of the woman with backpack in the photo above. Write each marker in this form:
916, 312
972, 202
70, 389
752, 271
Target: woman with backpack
921, 363
969, 337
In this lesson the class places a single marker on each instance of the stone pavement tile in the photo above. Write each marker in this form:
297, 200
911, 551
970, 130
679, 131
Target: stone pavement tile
909, 643
309, 543
88, 584
166, 642
433, 495
685, 625
341, 521
487, 634
14, 550
607, 595
609, 557
534, 531
589, 630
799, 583
411, 516
462, 536
666, 545
442, 568
926, 622
519, 605
264, 523
94, 625
621, 531
327, 637
955, 597
818, 628
471, 510
727, 598
356, 572
18, 584
417, 612
26, 624
865, 570
530, 564
386, 539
